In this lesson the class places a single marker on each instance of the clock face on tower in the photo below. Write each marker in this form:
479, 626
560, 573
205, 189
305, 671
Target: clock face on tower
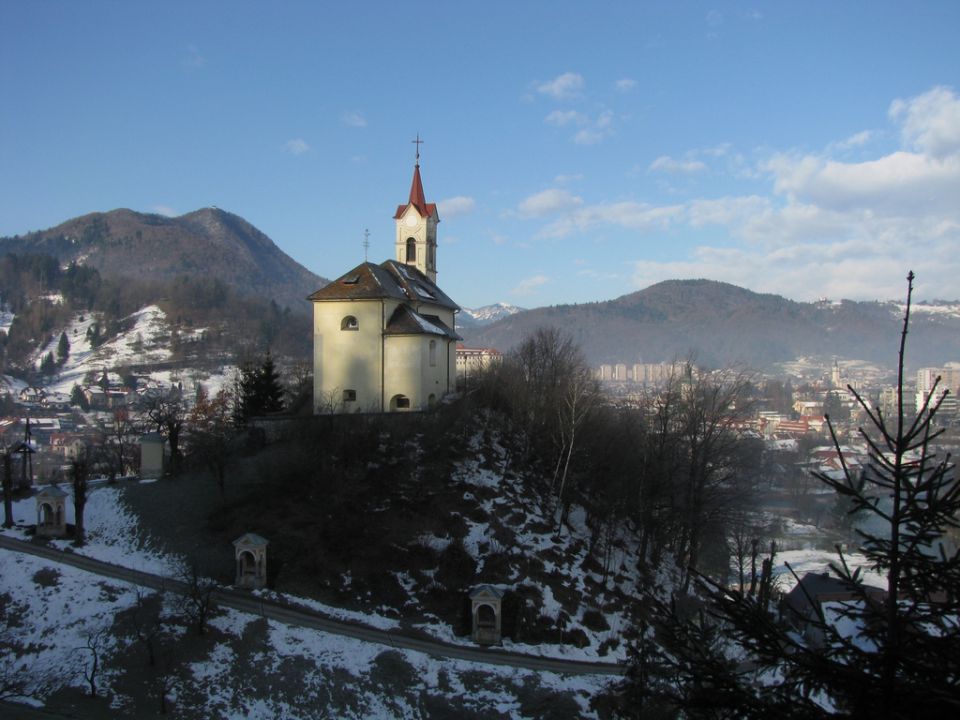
411, 220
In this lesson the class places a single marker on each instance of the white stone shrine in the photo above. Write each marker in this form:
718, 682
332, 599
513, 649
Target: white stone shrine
485, 611
251, 556
51, 512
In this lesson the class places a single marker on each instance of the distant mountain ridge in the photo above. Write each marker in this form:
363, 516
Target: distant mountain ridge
209, 242
721, 324
485, 315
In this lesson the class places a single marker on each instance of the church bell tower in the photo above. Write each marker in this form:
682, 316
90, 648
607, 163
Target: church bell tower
417, 227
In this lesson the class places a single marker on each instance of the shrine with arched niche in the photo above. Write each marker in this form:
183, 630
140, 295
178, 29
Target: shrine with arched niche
486, 611
250, 552
52, 512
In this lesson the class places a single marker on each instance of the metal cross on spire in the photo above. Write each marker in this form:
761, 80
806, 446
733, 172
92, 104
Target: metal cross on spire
366, 243
418, 142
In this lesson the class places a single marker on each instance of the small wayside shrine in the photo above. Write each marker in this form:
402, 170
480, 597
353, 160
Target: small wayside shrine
250, 553
384, 336
486, 612
51, 512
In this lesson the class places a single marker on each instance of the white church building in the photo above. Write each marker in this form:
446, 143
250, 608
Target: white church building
384, 336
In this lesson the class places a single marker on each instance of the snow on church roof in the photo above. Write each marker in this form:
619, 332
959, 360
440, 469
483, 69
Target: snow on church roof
406, 321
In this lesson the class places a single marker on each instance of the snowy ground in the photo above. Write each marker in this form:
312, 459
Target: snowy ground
248, 667
50, 612
811, 560
111, 531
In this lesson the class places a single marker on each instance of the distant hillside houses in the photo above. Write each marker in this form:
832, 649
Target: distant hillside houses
57, 428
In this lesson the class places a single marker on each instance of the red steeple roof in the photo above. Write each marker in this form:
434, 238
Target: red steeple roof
416, 189
417, 198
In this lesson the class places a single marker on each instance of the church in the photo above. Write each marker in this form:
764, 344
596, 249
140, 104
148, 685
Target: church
384, 336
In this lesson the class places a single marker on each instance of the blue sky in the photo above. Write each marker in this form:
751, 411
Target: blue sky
578, 151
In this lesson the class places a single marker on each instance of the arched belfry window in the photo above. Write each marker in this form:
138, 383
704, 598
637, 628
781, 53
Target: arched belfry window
349, 323
411, 250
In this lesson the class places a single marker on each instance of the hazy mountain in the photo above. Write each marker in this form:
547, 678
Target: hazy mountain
469, 317
721, 324
209, 243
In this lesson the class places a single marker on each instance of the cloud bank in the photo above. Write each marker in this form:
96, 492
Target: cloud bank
817, 224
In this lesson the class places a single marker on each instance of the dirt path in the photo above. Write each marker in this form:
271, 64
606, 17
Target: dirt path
310, 619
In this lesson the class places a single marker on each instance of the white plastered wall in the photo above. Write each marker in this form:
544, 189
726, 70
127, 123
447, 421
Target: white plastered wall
348, 359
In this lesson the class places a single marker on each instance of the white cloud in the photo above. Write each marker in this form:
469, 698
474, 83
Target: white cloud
192, 58
354, 119
563, 179
588, 136
599, 129
297, 146
164, 210
528, 286
732, 212
549, 202
456, 206
669, 165
626, 214
896, 183
854, 141
930, 122
565, 117
716, 151
625, 85
567, 86
714, 18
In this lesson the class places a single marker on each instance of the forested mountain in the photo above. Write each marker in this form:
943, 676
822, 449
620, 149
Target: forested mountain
721, 324
208, 243
206, 321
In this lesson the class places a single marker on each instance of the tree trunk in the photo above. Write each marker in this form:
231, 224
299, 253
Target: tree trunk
7, 492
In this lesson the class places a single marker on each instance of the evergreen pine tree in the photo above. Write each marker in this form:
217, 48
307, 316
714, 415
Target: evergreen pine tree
48, 366
269, 391
63, 348
258, 390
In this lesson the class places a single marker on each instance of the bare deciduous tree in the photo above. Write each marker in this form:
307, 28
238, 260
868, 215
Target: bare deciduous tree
95, 644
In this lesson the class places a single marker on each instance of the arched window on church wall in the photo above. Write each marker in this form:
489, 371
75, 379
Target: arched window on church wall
433, 353
349, 323
411, 250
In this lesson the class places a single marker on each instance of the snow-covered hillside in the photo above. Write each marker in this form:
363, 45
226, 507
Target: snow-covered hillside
145, 342
936, 309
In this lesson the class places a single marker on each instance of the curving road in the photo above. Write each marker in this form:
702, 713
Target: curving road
273, 610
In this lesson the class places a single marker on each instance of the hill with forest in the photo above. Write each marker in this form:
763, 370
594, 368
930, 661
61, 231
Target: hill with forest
222, 290
720, 324
208, 243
